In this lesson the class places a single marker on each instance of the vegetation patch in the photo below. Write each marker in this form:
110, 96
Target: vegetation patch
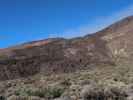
49, 92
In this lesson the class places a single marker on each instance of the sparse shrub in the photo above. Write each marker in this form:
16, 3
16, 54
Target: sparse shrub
2, 98
115, 93
47, 92
50, 92
13, 97
56, 92
87, 82
91, 92
129, 92
66, 82
21, 92
3, 57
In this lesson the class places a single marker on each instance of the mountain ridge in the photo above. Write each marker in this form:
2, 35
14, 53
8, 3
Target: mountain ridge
59, 55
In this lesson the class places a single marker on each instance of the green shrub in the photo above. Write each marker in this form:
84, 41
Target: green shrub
56, 92
43, 93
21, 92
2, 98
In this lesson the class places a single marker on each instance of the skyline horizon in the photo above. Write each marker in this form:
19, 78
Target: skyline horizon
66, 37
30, 20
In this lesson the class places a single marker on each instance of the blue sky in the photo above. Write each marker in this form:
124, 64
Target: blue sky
27, 20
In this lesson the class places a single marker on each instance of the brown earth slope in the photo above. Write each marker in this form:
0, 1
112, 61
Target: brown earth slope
108, 46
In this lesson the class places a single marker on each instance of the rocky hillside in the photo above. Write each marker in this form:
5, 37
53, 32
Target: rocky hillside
106, 47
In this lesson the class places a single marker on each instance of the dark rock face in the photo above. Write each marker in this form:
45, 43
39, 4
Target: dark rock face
62, 55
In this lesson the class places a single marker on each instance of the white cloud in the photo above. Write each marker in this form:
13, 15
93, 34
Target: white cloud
99, 23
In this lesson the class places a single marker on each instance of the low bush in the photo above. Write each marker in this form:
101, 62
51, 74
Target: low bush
50, 92
98, 93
